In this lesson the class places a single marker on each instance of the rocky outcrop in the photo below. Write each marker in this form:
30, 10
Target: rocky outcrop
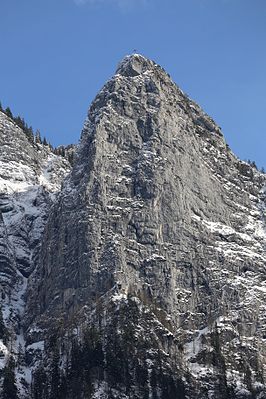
158, 218
150, 279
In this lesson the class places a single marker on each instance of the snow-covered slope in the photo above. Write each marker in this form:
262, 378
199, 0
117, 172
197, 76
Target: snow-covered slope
30, 178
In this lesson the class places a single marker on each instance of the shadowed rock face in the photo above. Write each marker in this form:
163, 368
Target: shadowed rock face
30, 176
157, 242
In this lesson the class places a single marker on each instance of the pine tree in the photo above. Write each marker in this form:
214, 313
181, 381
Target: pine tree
21, 356
38, 139
75, 374
70, 157
248, 378
20, 122
253, 164
55, 375
40, 384
8, 113
29, 134
10, 390
63, 151
3, 330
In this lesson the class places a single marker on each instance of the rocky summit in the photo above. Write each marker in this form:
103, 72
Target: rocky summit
140, 272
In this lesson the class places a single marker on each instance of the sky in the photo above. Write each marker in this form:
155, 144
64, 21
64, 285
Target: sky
55, 55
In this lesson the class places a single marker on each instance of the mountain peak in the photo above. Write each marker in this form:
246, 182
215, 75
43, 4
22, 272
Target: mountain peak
134, 65
154, 246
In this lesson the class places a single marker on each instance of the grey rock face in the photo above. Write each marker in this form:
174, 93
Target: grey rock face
158, 209
7, 267
151, 275
30, 176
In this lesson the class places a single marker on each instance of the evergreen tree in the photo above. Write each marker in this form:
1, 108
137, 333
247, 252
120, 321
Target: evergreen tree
9, 113
3, 330
248, 378
10, 390
63, 151
170, 388
38, 139
45, 141
92, 349
55, 375
20, 122
29, 134
40, 384
21, 356
153, 382
70, 157
75, 375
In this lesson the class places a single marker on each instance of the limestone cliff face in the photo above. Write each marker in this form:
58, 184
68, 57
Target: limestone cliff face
139, 181
158, 216
151, 277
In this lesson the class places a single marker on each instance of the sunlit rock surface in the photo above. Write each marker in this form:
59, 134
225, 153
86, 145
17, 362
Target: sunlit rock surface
150, 277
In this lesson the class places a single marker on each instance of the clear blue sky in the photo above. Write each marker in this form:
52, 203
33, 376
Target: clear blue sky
56, 55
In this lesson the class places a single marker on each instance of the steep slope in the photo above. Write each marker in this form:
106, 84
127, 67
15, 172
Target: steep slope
157, 243
150, 280
30, 176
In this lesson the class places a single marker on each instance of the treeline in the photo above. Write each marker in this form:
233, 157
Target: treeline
65, 152
28, 130
253, 164
36, 138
